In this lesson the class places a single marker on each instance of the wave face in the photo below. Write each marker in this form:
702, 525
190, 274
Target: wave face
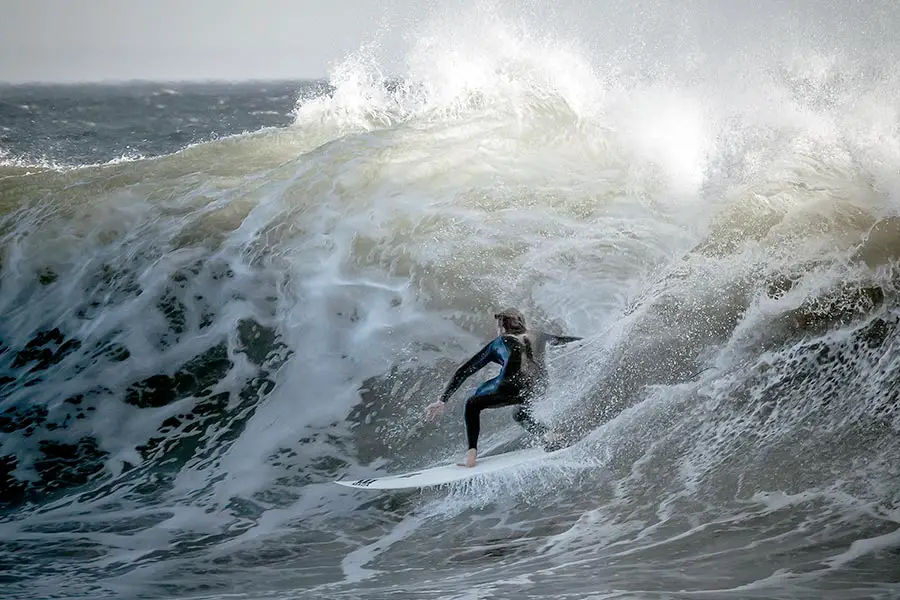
196, 341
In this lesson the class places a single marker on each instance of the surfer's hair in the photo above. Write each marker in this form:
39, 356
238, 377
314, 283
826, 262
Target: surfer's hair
511, 320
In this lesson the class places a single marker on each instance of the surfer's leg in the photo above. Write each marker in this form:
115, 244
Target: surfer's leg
550, 440
524, 418
478, 402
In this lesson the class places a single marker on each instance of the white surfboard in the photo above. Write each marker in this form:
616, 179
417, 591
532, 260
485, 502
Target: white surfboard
448, 473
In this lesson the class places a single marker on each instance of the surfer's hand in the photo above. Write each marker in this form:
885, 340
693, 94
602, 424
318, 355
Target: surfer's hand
434, 410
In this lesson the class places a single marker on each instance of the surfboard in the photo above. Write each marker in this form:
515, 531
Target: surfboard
448, 473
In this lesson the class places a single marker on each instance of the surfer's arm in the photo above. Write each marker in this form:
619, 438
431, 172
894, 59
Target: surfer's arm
486, 355
559, 340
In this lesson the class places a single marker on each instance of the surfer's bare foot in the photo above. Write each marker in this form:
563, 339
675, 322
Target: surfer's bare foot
470, 459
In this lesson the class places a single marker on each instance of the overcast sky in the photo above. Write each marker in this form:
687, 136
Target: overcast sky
90, 40
166, 40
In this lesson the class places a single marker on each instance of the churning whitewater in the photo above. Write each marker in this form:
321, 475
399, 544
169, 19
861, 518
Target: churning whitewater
218, 299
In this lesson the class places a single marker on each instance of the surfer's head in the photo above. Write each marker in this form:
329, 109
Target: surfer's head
510, 320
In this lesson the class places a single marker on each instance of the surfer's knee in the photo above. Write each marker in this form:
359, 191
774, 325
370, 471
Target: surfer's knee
473, 405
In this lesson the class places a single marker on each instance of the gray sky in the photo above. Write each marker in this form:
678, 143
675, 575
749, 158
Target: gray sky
90, 40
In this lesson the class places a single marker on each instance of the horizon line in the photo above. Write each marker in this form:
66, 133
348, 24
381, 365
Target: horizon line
144, 80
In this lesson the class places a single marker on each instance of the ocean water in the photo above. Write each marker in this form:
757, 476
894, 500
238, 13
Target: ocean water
218, 298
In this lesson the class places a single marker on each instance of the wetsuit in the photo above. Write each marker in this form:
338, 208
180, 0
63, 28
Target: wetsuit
522, 377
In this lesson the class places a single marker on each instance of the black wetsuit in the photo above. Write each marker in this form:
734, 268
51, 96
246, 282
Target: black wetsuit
522, 377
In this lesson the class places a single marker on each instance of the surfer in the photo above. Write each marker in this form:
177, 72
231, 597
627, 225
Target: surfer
522, 378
